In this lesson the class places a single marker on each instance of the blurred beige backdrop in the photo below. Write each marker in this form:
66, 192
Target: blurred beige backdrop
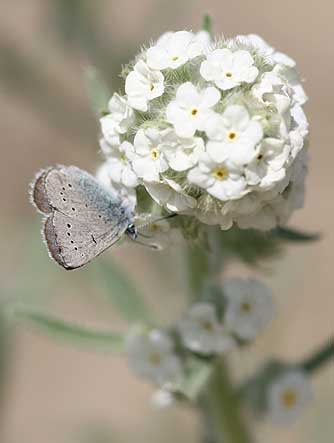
57, 394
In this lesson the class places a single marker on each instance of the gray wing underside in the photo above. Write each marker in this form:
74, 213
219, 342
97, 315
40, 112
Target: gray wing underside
82, 218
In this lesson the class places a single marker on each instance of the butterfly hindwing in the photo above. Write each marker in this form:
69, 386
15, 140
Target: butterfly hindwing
82, 218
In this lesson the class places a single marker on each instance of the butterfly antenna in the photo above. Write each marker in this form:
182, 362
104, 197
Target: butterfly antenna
148, 245
144, 235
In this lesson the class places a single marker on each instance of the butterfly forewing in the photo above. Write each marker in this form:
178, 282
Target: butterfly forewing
83, 219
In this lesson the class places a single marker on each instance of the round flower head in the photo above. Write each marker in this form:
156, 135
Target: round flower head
249, 307
201, 332
151, 355
287, 396
217, 127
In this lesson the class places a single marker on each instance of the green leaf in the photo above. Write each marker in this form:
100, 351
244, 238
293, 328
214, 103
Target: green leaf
207, 24
197, 378
294, 235
74, 334
98, 91
249, 245
121, 292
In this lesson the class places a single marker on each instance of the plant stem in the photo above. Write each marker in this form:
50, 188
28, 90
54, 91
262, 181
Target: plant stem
324, 355
207, 24
219, 405
198, 268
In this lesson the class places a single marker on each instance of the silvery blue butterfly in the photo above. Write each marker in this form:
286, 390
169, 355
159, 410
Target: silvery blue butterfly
82, 219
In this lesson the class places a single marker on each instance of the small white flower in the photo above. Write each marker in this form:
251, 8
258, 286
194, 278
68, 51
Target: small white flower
191, 109
268, 166
288, 395
182, 153
173, 49
169, 194
119, 120
233, 136
205, 40
300, 120
290, 75
151, 355
292, 198
120, 166
125, 194
150, 159
201, 332
162, 399
229, 69
249, 308
109, 130
267, 51
210, 211
222, 180
269, 85
142, 85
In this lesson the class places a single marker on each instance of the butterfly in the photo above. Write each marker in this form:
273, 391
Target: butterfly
82, 218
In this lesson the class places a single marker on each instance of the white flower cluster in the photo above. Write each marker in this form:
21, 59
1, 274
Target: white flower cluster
248, 311
213, 130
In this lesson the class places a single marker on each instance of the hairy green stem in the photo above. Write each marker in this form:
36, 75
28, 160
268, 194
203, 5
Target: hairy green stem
317, 360
219, 405
207, 25
222, 410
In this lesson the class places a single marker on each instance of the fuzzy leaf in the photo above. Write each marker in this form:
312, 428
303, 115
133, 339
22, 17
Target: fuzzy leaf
98, 91
294, 235
249, 245
68, 332
120, 291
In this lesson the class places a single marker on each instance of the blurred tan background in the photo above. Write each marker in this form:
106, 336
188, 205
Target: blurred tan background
54, 393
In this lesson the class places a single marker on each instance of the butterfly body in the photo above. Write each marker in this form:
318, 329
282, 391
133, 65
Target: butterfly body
82, 218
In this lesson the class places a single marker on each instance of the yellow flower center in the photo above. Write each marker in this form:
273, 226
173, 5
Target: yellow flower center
229, 74
194, 112
155, 154
154, 359
123, 158
155, 228
289, 398
152, 87
232, 135
207, 325
220, 173
246, 307
175, 58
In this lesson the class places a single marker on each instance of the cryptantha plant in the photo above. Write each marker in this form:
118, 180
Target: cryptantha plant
213, 133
